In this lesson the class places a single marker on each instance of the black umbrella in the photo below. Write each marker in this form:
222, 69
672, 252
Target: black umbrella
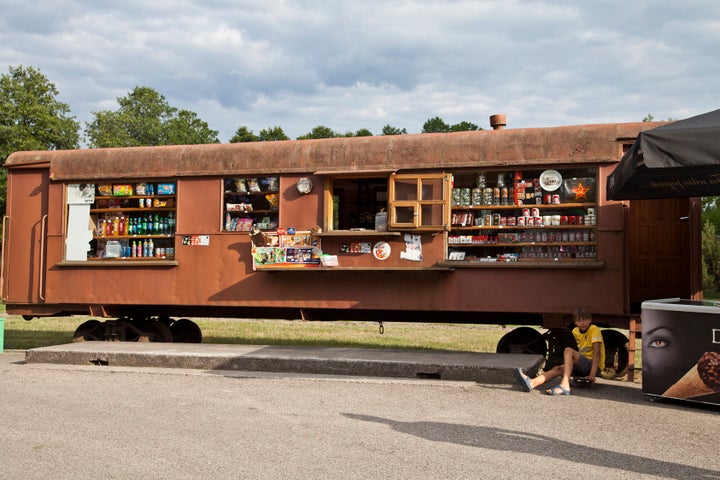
680, 159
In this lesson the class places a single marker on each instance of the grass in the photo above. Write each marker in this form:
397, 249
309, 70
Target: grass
39, 332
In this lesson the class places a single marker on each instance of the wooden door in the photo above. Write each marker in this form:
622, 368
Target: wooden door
664, 249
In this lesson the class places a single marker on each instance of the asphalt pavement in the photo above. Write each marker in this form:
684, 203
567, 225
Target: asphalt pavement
96, 420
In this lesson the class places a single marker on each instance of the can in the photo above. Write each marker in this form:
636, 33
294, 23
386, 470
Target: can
521, 221
548, 198
526, 212
535, 212
556, 199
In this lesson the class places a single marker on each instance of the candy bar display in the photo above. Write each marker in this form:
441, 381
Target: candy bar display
250, 202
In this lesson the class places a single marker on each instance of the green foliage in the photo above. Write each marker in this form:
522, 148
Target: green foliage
321, 131
710, 247
389, 130
435, 125
272, 134
31, 118
464, 127
244, 135
363, 132
144, 118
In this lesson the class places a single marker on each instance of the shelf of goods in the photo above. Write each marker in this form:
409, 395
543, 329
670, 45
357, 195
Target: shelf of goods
250, 201
525, 221
138, 227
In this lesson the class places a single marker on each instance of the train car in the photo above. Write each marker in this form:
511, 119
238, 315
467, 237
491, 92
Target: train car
502, 226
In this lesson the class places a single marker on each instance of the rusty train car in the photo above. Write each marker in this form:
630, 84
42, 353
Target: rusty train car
502, 226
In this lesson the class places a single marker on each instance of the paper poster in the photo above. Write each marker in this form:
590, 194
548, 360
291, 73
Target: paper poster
413, 248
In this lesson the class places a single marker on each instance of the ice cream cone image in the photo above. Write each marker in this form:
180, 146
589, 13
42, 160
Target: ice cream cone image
702, 379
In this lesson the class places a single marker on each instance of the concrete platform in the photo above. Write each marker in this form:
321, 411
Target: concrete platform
444, 365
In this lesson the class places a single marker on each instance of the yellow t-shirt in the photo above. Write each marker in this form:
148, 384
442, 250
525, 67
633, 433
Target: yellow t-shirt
585, 343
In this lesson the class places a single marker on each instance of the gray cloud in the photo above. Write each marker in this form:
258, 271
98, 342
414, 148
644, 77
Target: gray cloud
352, 65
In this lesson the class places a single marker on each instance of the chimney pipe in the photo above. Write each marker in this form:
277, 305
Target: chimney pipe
497, 121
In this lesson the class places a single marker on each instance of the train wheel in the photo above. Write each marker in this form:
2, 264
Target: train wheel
186, 331
616, 352
523, 340
155, 332
88, 331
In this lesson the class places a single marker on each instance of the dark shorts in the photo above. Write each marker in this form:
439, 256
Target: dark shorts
582, 367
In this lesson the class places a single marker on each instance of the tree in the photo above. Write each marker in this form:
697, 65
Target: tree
31, 117
389, 130
144, 118
363, 132
272, 134
464, 127
321, 131
435, 125
243, 135
711, 257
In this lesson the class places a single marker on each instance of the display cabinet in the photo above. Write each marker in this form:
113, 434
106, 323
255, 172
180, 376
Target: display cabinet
133, 221
250, 202
520, 216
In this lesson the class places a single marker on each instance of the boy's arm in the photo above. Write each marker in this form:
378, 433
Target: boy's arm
595, 361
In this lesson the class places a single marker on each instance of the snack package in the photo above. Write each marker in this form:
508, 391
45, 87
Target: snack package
166, 189
122, 190
253, 185
105, 190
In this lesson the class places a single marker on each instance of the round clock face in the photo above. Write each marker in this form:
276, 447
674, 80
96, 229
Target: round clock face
304, 185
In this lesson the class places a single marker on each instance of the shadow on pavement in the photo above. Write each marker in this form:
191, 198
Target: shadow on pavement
542, 445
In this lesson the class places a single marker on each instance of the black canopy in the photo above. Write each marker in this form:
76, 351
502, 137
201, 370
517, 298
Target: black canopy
680, 159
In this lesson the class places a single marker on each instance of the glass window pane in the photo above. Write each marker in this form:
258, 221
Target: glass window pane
406, 189
405, 215
432, 215
432, 189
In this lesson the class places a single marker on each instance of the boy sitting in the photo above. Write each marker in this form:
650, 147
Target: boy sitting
587, 361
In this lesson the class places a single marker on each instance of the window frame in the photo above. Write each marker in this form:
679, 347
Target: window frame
419, 204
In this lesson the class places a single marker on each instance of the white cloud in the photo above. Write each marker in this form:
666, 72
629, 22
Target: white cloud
352, 65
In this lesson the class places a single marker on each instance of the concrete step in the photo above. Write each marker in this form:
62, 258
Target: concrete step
431, 364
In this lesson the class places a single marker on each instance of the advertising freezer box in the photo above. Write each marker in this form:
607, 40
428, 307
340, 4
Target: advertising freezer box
681, 349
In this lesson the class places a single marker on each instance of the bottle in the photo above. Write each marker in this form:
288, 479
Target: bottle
171, 222
144, 225
156, 224
116, 227
151, 248
133, 252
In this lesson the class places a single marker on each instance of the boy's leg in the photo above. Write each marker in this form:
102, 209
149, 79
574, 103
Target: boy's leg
546, 376
570, 358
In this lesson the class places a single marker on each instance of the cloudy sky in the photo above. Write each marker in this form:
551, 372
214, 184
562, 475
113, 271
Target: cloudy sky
350, 64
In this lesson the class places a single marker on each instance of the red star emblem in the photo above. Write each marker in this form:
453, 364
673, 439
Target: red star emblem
580, 191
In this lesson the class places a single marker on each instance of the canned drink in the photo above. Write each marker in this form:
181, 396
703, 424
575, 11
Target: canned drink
530, 221
521, 221
580, 220
548, 199
535, 212
556, 199
538, 221
526, 212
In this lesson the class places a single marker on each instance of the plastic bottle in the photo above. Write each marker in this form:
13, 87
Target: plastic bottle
171, 222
